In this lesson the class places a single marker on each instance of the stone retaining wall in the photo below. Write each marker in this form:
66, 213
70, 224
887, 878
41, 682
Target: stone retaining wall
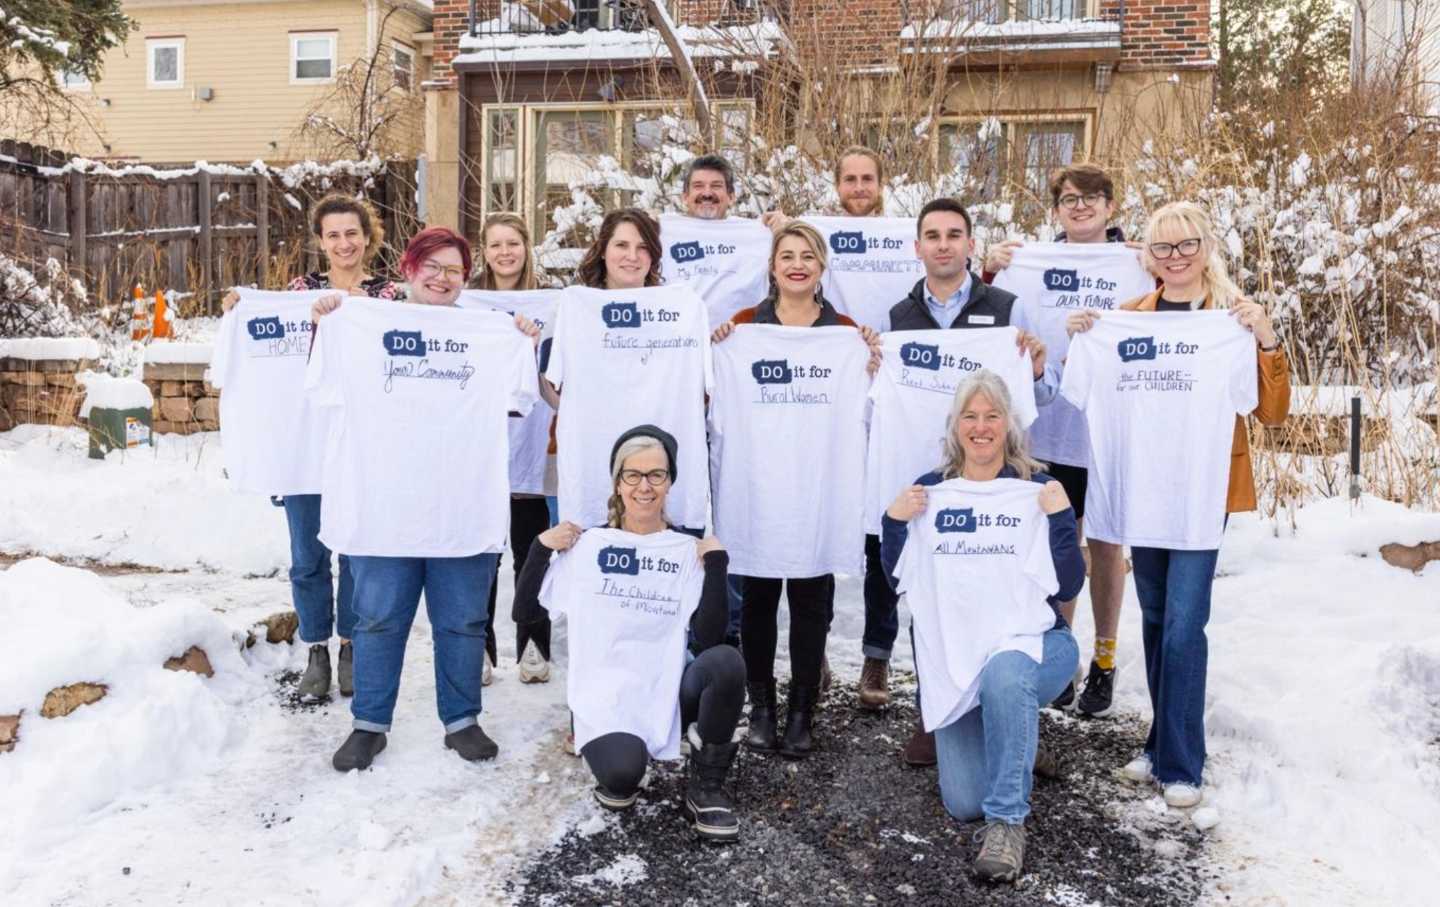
40, 391
184, 401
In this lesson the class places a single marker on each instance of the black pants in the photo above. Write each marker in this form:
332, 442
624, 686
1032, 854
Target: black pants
811, 601
528, 518
712, 694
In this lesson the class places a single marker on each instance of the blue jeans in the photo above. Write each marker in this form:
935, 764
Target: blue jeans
387, 593
1174, 591
988, 756
320, 610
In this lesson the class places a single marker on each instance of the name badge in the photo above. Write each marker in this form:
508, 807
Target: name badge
980, 319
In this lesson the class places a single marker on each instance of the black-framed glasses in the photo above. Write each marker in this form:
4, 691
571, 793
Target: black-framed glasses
1089, 199
656, 477
1188, 248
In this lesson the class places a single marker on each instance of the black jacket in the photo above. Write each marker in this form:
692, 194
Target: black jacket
992, 307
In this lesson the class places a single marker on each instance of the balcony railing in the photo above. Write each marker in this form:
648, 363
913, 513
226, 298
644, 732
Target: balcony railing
557, 17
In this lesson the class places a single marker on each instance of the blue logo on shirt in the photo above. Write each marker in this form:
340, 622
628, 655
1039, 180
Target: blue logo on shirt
772, 371
1134, 348
920, 355
265, 328
847, 242
613, 559
621, 315
686, 251
404, 343
1063, 279
955, 520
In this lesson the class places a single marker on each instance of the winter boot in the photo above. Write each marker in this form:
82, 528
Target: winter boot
358, 751
799, 716
762, 715
345, 670
1002, 852
315, 683
472, 744
919, 750
875, 683
707, 807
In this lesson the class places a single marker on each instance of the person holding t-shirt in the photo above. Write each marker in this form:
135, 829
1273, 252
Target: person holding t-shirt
949, 297
349, 234
994, 662
387, 589
1183, 251
631, 590
1082, 198
797, 261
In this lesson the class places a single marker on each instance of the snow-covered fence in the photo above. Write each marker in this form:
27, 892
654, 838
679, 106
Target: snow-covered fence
194, 228
37, 380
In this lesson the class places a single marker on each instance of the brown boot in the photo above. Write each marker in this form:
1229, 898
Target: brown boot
875, 684
919, 751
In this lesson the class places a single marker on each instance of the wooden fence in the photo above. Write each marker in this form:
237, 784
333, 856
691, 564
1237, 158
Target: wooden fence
193, 229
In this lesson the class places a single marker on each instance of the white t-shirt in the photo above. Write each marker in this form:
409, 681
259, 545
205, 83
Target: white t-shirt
623, 358
418, 459
975, 570
530, 436
273, 439
787, 449
872, 265
1160, 391
628, 600
1052, 280
724, 261
912, 396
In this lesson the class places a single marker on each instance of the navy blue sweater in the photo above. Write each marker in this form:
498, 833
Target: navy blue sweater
1064, 543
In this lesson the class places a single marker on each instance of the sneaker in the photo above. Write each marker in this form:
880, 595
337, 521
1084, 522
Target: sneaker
919, 750
1139, 770
472, 744
1002, 852
315, 682
826, 678
533, 666
1181, 795
358, 751
1066, 698
345, 670
707, 806
614, 802
875, 683
1097, 699
487, 673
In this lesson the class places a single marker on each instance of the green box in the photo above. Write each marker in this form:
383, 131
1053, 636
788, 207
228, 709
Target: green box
112, 429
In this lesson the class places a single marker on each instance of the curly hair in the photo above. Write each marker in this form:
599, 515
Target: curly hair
370, 225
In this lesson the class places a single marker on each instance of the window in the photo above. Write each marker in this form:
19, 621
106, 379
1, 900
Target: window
72, 81
312, 57
995, 11
404, 58
502, 149
1017, 153
164, 62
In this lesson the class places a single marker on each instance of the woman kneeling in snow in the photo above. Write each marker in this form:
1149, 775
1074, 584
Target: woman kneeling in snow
630, 590
984, 549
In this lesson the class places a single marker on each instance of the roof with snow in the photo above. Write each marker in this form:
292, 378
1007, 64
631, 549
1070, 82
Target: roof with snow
757, 40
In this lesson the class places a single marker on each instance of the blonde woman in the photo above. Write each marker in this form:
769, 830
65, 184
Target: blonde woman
1182, 249
506, 259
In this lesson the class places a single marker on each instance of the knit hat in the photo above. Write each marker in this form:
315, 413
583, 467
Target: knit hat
667, 441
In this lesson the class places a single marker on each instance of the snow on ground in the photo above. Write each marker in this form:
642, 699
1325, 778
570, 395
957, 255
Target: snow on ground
1323, 716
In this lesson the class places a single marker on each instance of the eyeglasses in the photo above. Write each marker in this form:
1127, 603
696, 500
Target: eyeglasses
656, 477
452, 272
1090, 200
1188, 248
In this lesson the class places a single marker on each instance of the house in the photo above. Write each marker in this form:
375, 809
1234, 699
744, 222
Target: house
233, 80
525, 94
1397, 43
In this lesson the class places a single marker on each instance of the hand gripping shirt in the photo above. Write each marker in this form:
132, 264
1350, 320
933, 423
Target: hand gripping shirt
912, 395
872, 265
726, 262
623, 358
273, 439
787, 449
418, 457
975, 571
628, 600
1051, 280
530, 436
1160, 392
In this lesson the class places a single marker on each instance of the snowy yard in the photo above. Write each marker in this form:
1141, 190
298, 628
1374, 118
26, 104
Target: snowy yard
1323, 713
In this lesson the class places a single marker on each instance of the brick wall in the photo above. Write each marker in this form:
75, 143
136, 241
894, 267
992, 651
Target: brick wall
452, 18
1162, 32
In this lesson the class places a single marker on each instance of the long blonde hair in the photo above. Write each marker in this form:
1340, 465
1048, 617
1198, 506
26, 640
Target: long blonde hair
633, 446
485, 279
1017, 449
1191, 220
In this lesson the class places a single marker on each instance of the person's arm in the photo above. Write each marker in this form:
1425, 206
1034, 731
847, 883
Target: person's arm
1274, 387
710, 620
893, 534
1065, 552
527, 608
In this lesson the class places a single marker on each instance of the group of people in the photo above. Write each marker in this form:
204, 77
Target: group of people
661, 657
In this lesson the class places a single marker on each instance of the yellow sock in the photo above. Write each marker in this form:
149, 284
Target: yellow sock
1105, 653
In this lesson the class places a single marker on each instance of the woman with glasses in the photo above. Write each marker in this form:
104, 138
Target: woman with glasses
630, 675
1183, 251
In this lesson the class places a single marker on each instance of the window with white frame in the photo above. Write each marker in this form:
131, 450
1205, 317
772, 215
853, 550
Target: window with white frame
164, 62
995, 11
312, 57
404, 60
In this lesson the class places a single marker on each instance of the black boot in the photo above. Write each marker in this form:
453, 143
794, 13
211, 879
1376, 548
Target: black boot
762, 715
799, 713
358, 751
707, 807
472, 744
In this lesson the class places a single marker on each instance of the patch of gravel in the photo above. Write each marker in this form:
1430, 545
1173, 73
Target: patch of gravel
287, 693
853, 825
